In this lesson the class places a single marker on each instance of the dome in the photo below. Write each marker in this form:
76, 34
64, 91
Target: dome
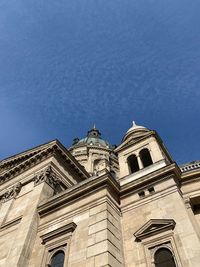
93, 138
135, 130
135, 127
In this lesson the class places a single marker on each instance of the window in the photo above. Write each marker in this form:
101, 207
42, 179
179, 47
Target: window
157, 238
145, 157
141, 194
133, 164
56, 246
151, 190
58, 259
164, 258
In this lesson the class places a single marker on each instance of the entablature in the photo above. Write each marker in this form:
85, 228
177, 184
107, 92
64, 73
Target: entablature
80, 190
166, 172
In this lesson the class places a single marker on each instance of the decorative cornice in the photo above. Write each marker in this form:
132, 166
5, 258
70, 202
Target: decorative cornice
69, 228
76, 192
56, 149
190, 166
11, 192
7, 165
166, 172
153, 227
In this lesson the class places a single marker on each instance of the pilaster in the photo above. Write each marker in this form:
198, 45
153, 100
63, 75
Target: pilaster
104, 242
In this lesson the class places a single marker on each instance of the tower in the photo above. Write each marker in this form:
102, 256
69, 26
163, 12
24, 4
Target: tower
141, 150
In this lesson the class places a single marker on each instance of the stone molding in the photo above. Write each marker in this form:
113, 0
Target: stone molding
82, 189
190, 167
153, 227
164, 173
11, 192
31, 159
48, 176
68, 228
10, 223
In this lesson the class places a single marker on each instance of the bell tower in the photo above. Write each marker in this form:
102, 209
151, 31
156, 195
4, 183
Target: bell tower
141, 151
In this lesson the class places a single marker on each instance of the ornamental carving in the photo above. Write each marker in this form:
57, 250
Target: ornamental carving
11, 192
48, 176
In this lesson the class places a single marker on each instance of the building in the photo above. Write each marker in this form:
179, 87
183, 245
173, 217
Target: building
100, 205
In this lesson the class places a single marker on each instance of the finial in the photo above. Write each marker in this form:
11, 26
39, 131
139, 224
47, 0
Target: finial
94, 127
134, 124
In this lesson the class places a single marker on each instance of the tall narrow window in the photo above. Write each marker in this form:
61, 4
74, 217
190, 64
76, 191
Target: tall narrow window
164, 258
133, 163
145, 157
58, 259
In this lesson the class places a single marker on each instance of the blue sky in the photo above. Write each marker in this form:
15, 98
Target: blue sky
67, 64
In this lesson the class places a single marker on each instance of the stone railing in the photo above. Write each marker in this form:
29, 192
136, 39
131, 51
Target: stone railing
191, 166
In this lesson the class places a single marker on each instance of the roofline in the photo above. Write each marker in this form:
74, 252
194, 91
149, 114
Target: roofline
21, 153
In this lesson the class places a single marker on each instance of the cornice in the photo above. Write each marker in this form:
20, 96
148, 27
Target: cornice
154, 226
69, 228
88, 147
18, 158
190, 177
10, 223
92, 184
80, 190
162, 173
53, 149
131, 142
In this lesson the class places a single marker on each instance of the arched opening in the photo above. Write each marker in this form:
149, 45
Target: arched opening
58, 259
133, 163
164, 258
145, 157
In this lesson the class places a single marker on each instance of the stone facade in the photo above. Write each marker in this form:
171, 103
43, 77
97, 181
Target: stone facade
99, 205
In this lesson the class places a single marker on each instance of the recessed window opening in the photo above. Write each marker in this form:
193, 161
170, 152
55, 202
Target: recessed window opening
146, 157
58, 259
141, 194
133, 163
164, 258
151, 190
196, 209
195, 203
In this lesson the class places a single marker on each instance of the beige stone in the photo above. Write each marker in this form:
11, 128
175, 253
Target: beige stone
89, 203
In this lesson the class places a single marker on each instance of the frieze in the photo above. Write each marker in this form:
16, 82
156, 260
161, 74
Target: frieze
11, 192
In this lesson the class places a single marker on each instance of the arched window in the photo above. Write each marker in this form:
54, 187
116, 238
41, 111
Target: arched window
145, 157
164, 258
133, 163
58, 259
